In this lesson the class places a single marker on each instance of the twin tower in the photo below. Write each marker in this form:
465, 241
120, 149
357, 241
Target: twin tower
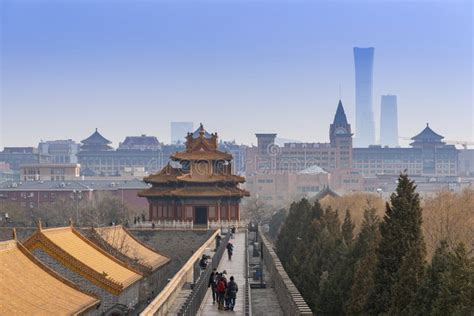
365, 124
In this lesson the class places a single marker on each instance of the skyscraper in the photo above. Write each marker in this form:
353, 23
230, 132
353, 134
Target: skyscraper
365, 126
388, 121
179, 130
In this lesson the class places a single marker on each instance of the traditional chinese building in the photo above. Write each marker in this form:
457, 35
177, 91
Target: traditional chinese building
119, 242
94, 270
28, 287
427, 156
197, 184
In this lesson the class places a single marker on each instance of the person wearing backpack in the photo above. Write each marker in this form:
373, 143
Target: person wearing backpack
232, 290
221, 290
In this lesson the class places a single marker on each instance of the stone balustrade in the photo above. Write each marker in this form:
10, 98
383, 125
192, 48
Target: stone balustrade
226, 224
162, 304
166, 224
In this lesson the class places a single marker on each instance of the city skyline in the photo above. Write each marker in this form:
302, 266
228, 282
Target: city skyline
132, 69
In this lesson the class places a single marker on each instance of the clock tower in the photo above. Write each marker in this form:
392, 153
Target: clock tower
340, 136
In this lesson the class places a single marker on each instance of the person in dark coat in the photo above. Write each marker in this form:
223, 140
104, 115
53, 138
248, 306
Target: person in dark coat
212, 284
232, 290
230, 250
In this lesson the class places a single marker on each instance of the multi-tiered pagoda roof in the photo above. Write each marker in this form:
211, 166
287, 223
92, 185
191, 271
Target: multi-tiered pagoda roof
197, 185
96, 142
200, 170
427, 136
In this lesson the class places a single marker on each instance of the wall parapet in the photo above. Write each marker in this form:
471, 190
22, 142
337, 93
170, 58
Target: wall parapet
165, 299
289, 296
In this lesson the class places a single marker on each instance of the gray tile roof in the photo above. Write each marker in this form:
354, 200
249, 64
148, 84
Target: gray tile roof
78, 185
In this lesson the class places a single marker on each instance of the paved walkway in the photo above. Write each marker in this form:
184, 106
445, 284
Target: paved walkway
264, 300
235, 268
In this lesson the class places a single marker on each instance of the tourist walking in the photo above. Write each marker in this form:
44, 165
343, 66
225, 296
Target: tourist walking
232, 290
230, 249
221, 291
212, 284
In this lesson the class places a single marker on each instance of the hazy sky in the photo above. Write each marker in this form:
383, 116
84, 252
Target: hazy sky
240, 67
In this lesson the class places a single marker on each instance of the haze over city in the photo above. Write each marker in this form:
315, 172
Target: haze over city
239, 157
239, 67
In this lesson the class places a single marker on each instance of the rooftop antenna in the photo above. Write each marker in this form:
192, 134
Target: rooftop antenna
340, 93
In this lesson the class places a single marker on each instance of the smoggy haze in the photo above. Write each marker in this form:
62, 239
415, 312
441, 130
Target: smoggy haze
239, 67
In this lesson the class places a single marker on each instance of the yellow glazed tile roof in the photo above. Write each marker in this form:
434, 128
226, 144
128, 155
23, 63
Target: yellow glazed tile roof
27, 287
119, 238
90, 255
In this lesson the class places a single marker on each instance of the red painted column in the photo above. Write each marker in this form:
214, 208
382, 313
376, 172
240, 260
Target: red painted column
175, 211
150, 211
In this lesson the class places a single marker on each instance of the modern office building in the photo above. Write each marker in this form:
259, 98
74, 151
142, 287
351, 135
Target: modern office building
98, 158
50, 172
279, 189
466, 162
427, 156
179, 130
16, 156
59, 151
268, 157
365, 125
388, 121
40, 194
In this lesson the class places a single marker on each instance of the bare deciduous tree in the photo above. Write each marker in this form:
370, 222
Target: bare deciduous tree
449, 216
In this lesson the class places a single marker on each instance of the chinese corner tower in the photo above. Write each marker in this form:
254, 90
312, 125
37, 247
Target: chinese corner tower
197, 185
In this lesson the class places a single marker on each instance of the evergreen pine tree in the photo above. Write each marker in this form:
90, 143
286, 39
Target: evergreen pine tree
295, 224
309, 252
429, 290
365, 260
401, 240
456, 296
409, 279
348, 228
331, 222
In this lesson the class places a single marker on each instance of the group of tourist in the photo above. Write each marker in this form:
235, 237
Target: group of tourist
223, 292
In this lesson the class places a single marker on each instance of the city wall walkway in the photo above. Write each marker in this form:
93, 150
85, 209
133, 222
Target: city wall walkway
237, 268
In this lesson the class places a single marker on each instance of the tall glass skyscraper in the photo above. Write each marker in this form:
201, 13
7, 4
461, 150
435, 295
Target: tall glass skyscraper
388, 121
365, 125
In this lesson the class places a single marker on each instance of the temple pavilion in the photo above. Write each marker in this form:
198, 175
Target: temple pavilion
197, 185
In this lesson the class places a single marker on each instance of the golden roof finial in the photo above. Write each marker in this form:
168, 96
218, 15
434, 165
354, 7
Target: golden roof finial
14, 233
40, 227
201, 130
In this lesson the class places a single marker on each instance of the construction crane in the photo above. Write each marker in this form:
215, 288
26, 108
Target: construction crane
462, 143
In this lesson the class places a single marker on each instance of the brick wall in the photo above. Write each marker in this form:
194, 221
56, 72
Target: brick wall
290, 298
129, 297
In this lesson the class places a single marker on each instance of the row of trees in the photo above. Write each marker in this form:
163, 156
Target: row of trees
379, 268
103, 210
